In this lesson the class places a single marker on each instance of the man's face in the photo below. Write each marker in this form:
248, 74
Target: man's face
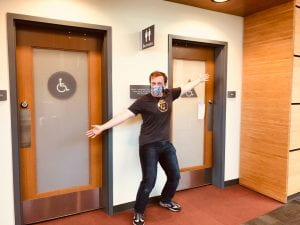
157, 81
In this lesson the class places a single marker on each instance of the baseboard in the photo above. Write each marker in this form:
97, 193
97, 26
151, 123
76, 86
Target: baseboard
228, 183
129, 205
293, 196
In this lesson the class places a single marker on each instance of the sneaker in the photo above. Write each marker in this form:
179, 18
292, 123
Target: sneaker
173, 206
138, 219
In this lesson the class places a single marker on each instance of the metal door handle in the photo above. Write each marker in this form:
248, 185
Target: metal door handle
24, 104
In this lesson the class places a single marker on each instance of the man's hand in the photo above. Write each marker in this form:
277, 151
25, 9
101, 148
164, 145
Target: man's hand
204, 77
96, 130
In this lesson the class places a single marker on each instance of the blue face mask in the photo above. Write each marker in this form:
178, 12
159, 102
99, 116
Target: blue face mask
157, 91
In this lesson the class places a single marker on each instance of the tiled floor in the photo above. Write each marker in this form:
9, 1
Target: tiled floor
288, 214
201, 206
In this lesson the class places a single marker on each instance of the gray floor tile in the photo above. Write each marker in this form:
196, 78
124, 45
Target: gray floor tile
289, 214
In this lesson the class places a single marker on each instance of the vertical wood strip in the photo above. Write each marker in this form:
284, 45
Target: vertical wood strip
24, 58
95, 107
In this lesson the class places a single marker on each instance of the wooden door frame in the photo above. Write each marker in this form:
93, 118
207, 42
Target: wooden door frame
219, 106
107, 169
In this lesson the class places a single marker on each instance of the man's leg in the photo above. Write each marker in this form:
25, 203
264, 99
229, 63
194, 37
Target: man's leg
169, 163
148, 159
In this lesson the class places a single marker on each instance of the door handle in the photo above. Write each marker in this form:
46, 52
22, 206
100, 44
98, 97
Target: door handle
210, 115
24, 105
25, 126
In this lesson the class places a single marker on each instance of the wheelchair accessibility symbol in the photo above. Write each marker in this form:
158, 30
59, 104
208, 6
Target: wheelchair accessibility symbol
191, 94
61, 85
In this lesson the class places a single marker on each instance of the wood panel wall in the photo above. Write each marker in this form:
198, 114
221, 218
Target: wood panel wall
266, 99
294, 155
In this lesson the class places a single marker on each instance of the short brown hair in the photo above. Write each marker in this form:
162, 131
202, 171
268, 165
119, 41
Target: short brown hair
158, 74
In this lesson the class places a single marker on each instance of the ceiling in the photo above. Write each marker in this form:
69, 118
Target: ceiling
235, 7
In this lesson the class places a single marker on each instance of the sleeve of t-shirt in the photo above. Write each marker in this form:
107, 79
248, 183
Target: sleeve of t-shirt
136, 107
175, 92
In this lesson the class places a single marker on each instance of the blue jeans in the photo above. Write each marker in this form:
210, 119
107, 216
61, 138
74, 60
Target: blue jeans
150, 154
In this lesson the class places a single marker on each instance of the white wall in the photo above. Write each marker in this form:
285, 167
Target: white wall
130, 66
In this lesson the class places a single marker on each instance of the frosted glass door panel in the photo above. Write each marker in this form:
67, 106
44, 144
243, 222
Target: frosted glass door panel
62, 149
188, 130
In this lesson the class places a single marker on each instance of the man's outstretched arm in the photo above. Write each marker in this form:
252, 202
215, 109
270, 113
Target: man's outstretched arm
190, 85
116, 120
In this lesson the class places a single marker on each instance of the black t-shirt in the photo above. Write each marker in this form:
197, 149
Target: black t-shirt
156, 114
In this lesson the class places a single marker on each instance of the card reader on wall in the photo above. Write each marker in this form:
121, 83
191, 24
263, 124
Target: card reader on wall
3, 95
231, 94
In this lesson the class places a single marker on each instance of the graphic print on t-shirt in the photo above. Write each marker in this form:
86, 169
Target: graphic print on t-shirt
162, 105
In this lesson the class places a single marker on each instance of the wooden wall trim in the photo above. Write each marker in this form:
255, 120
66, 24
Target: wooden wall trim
296, 80
297, 31
294, 173
295, 128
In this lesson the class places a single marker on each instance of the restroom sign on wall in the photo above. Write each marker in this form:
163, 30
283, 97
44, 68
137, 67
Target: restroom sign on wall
148, 37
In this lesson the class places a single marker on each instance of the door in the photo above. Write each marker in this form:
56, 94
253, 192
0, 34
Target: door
192, 114
59, 96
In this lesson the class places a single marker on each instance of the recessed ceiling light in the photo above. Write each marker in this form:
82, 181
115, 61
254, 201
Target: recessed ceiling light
218, 1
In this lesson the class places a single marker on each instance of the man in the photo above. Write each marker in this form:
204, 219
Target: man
154, 140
